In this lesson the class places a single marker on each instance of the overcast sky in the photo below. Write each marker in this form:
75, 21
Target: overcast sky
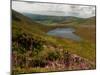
54, 9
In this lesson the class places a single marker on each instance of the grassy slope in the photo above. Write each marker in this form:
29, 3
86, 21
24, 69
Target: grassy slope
74, 21
86, 29
23, 25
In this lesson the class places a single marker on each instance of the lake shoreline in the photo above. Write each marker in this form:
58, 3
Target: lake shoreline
64, 33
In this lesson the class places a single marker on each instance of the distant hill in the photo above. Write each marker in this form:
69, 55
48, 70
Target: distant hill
54, 20
45, 19
79, 21
90, 21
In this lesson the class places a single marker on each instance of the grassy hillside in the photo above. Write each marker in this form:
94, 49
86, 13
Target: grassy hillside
87, 29
34, 51
90, 21
79, 21
26, 23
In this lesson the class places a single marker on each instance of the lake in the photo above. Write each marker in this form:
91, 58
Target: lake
64, 33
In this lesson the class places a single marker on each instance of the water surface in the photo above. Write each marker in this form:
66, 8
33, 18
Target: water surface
65, 33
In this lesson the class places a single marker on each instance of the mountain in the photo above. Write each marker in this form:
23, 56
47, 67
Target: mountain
90, 21
79, 21
45, 19
54, 20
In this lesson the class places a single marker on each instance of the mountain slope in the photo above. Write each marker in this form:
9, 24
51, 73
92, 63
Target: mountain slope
25, 23
79, 21
34, 51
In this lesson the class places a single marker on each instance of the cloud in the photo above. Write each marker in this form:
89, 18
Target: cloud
54, 9
82, 11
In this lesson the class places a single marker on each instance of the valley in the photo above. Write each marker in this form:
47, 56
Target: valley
52, 43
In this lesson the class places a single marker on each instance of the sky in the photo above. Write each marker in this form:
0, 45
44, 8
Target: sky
54, 9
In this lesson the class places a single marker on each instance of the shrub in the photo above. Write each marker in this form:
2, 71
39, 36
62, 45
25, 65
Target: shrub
38, 62
53, 55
